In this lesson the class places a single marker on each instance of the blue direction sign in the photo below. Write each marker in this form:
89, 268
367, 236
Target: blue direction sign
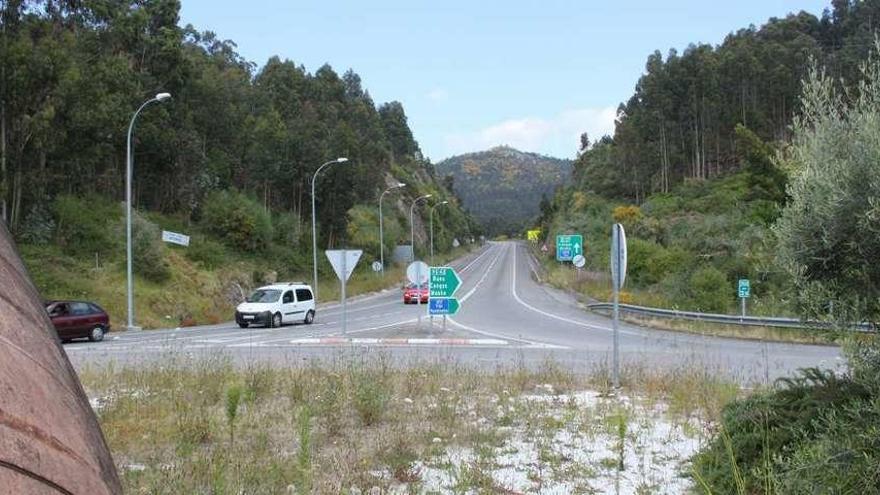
568, 246
744, 288
443, 306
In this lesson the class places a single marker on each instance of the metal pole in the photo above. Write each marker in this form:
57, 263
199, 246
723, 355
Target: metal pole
381, 236
615, 281
432, 234
743, 308
129, 159
314, 230
344, 301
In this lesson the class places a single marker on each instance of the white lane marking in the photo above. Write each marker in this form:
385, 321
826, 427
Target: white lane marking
551, 315
469, 265
529, 343
483, 278
391, 341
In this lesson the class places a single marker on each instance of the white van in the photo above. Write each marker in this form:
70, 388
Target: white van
277, 304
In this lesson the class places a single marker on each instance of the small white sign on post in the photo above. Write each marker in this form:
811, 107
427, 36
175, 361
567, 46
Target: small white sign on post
455, 243
175, 238
343, 262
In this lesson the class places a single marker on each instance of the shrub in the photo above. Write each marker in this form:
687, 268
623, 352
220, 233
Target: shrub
38, 226
627, 215
815, 433
148, 253
709, 290
82, 225
209, 253
242, 222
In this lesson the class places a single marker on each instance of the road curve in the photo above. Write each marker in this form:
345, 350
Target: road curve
507, 318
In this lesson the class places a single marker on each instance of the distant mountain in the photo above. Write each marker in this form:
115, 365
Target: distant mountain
502, 187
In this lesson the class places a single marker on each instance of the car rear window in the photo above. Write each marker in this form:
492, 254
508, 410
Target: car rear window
303, 295
78, 308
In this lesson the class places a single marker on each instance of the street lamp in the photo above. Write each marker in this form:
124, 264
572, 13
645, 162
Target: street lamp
129, 158
412, 227
381, 232
432, 228
314, 234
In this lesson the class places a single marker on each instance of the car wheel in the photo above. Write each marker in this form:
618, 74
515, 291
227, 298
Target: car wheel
243, 325
96, 334
276, 320
310, 317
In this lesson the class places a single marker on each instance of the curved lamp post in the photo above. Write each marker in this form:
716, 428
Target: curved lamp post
129, 159
432, 228
381, 231
314, 233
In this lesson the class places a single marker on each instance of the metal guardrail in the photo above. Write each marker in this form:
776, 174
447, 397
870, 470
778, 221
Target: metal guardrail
755, 321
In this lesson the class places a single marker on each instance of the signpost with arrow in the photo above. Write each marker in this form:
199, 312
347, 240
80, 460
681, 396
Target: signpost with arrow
442, 285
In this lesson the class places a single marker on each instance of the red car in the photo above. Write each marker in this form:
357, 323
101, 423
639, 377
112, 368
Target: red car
78, 319
411, 294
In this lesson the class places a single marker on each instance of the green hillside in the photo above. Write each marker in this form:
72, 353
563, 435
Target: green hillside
228, 159
503, 187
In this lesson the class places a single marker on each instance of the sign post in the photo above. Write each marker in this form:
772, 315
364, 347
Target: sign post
568, 246
744, 290
417, 273
442, 285
618, 277
343, 262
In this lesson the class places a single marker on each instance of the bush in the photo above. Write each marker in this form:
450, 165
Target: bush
207, 252
148, 253
816, 433
709, 290
242, 222
38, 226
83, 225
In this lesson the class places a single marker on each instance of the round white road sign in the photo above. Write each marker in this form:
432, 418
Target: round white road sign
377, 266
417, 272
579, 261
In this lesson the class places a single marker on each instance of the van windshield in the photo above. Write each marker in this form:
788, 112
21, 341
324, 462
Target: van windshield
264, 296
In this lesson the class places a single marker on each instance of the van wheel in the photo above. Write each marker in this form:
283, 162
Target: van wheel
276, 320
243, 325
310, 317
97, 334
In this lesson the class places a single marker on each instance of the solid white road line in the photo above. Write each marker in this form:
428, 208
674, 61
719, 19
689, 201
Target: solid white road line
551, 315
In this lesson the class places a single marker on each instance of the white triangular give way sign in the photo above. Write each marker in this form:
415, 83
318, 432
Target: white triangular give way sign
344, 261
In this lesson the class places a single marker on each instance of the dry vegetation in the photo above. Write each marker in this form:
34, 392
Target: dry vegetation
367, 427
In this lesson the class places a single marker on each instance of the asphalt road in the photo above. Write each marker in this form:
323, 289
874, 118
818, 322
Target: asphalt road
507, 318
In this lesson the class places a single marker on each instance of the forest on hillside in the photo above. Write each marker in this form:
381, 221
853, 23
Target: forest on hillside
681, 121
74, 72
503, 187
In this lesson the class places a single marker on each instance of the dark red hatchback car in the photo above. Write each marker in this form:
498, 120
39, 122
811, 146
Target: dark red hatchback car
78, 319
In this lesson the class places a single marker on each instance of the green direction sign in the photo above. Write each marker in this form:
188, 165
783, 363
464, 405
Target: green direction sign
443, 306
568, 246
443, 282
744, 288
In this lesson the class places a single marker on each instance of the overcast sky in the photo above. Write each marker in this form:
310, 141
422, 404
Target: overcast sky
475, 74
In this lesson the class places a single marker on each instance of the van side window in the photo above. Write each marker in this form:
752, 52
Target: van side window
303, 295
288, 297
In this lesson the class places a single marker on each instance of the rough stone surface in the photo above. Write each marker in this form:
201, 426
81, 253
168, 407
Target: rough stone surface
50, 440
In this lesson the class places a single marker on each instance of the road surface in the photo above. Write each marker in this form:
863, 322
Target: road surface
507, 318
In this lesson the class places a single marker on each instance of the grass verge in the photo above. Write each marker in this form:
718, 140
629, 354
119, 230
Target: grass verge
206, 426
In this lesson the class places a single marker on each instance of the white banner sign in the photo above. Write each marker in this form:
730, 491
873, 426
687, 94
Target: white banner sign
175, 238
